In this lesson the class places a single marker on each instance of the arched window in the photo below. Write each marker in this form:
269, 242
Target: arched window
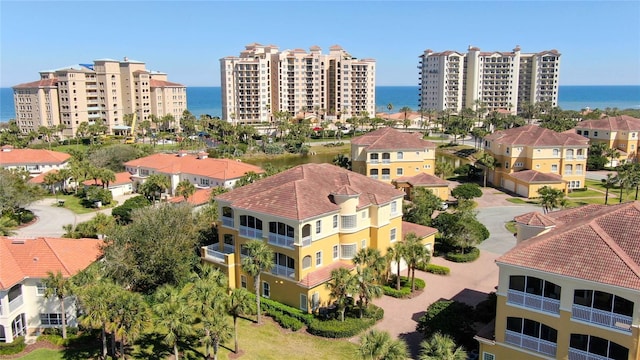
581, 346
283, 265
306, 262
227, 216
250, 226
531, 335
602, 308
281, 234
535, 293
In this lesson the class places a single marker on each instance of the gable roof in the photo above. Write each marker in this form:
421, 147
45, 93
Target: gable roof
224, 169
154, 83
37, 84
533, 176
422, 179
199, 197
33, 258
596, 243
39, 179
307, 191
421, 231
122, 178
533, 135
535, 218
9, 157
615, 123
387, 138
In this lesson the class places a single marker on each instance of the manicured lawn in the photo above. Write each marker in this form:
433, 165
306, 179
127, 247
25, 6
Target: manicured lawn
587, 193
511, 226
75, 204
521, 201
267, 341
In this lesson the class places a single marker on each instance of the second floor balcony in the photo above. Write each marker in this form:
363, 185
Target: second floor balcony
227, 221
16, 303
601, 317
533, 301
282, 240
531, 343
250, 233
283, 271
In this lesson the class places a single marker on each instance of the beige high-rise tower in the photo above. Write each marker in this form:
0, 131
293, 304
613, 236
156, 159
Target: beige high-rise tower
452, 80
264, 80
107, 89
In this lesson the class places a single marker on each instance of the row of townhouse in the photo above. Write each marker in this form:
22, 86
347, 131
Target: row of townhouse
106, 89
570, 288
616, 132
24, 309
315, 217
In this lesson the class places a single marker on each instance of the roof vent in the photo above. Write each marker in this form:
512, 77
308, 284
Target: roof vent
203, 155
182, 153
17, 241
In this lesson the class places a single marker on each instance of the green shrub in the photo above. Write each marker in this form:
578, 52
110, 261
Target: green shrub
451, 318
285, 321
472, 255
351, 326
404, 291
122, 213
269, 305
434, 269
12, 348
97, 193
27, 216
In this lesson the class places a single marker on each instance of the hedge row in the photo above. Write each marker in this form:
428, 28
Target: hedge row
462, 258
400, 294
12, 348
273, 306
434, 269
285, 320
337, 329
405, 287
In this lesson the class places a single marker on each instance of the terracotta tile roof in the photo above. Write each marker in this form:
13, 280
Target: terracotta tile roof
154, 83
122, 178
600, 244
305, 191
532, 135
39, 179
387, 138
532, 176
420, 230
200, 197
622, 122
224, 169
37, 84
32, 157
422, 179
33, 258
535, 218
323, 274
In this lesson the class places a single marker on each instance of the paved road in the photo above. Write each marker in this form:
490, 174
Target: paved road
50, 219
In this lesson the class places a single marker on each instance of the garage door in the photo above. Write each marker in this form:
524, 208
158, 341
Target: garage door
509, 185
523, 190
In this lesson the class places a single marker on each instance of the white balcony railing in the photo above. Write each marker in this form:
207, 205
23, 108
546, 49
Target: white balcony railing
531, 343
533, 301
281, 240
375, 177
601, 317
373, 161
212, 254
15, 303
227, 221
283, 271
386, 161
386, 177
250, 232
228, 249
575, 354
306, 241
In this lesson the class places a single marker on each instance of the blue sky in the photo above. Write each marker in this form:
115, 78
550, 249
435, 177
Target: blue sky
599, 40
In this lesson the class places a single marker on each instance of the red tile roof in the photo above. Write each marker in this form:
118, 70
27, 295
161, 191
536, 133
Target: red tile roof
200, 197
154, 83
616, 123
306, 191
32, 157
121, 179
422, 179
33, 258
420, 230
224, 169
534, 218
532, 135
532, 176
387, 138
37, 84
39, 179
323, 274
597, 243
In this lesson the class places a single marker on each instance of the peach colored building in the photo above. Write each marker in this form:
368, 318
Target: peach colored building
570, 289
506, 80
107, 89
618, 132
531, 157
264, 80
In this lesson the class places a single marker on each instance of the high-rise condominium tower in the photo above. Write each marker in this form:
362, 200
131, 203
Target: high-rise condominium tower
264, 80
107, 89
451, 80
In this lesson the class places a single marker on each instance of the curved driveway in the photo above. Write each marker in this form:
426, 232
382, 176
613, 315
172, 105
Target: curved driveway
50, 219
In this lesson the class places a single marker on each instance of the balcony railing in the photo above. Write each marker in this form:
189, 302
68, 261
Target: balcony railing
281, 240
533, 301
374, 161
212, 253
575, 354
227, 221
375, 177
601, 317
531, 343
386, 177
283, 271
250, 232
386, 161
569, 158
306, 241
15, 303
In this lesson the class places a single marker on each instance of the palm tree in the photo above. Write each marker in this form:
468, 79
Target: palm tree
59, 287
621, 178
405, 110
415, 253
396, 254
489, 163
611, 153
174, 316
340, 285
550, 198
51, 179
185, 188
441, 347
239, 304
608, 183
443, 169
371, 258
210, 302
259, 258
378, 345
154, 184
106, 177
102, 223
96, 304
367, 287
130, 316
389, 107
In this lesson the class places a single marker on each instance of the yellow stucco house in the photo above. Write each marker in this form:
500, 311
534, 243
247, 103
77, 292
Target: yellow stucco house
531, 157
570, 288
315, 217
387, 154
438, 187
617, 132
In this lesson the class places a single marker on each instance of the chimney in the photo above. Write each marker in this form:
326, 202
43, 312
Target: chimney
7, 148
182, 153
203, 155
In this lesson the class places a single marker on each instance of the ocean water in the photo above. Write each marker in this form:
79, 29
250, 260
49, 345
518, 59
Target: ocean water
206, 100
